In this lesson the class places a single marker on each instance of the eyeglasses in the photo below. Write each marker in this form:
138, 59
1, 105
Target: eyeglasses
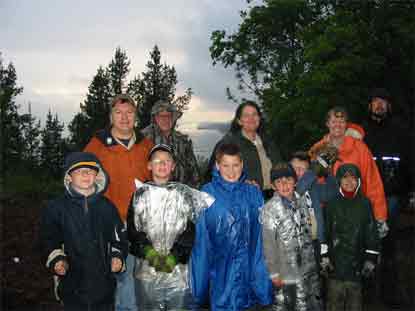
85, 172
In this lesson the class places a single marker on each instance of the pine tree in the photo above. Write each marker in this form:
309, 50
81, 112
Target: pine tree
78, 128
53, 146
31, 138
10, 136
158, 82
118, 70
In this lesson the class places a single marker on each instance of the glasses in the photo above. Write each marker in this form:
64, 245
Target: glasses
85, 172
161, 162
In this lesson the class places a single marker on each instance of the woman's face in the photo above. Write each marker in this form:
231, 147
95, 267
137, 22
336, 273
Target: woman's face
249, 119
337, 126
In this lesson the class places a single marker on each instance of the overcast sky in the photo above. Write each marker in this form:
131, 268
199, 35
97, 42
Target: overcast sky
57, 46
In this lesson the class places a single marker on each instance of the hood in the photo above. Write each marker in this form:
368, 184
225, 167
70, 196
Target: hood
102, 179
349, 167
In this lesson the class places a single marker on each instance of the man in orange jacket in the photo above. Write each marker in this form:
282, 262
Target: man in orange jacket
355, 151
123, 154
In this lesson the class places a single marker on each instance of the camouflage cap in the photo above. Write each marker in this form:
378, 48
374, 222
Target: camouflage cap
164, 105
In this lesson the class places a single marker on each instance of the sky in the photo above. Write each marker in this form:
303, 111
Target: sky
56, 47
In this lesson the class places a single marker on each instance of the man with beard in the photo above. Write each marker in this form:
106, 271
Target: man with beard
390, 141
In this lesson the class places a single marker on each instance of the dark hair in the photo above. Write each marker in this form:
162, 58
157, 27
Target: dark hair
282, 169
300, 155
337, 110
227, 149
235, 127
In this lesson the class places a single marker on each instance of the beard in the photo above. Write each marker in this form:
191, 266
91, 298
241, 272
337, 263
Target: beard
379, 115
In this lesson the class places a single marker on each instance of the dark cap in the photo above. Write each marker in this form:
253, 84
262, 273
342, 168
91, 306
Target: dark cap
76, 160
282, 170
379, 93
160, 147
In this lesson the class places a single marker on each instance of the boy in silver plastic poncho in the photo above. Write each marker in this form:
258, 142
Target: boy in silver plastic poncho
161, 228
287, 243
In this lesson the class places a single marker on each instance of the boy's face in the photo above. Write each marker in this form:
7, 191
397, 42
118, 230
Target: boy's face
230, 167
83, 179
299, 167
161, 165
349, 182
284, 186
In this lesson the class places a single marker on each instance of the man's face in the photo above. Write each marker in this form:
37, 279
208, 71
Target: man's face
378, 107
284, 186
164, 120
349, 182
299, 167
161, 165
83, 179
123, 117
230, 167
336, 125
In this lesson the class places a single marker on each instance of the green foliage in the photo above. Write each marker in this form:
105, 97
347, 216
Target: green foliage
303, 57
53, 147
11, 138
30, 128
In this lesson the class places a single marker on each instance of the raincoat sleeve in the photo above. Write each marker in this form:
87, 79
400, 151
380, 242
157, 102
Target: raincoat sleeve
373, 185
371, 238
119, 245
51, 237
200, 261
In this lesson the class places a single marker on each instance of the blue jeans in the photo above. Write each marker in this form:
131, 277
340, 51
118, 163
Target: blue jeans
125, 299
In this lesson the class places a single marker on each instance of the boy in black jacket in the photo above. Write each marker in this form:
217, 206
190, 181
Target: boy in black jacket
83, 238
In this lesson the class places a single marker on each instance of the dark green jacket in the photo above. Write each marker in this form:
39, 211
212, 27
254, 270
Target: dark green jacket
252, 164
351, 232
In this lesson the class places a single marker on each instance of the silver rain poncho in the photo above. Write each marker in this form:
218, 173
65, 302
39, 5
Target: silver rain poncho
162, 212
289, 254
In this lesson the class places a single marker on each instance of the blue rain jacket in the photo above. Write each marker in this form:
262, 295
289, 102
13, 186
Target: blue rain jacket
227, 264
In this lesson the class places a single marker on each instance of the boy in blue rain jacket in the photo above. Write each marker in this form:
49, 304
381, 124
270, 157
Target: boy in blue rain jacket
227, 261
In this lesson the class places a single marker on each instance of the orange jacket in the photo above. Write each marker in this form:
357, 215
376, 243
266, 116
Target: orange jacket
122, 165
355, 151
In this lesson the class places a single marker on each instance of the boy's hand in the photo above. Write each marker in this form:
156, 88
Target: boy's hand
278, 282
61, 267
116, 265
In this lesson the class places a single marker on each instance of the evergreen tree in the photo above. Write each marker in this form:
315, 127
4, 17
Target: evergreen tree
158, 82
52, 147
118, 70
10, 135
78, 128
31, 138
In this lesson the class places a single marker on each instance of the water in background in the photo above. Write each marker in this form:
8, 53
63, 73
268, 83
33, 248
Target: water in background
203, 140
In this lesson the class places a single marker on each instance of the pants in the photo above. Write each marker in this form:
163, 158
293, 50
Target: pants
77, 306
344, 295
125, 299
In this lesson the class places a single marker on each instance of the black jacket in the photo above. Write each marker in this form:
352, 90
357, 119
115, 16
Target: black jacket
390, 142
86, 232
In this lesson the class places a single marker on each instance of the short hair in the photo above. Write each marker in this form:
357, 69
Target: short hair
300, 155
227, 149
124, 99
338, 112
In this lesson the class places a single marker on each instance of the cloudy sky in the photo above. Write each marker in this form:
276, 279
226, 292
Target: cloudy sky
57, 46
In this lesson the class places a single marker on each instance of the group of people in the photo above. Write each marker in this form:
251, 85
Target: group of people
136, 230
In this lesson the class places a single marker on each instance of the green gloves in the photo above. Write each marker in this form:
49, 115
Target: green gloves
159, 262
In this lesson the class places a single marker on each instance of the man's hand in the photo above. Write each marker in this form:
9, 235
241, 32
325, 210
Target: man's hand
368, 269
61, 267
116, 264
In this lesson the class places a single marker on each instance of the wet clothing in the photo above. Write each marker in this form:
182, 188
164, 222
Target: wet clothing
163, 217
186, 170
123, 164
351, 232
87, 233
289, 253
227, 264
250, 156
389, 142
355, 151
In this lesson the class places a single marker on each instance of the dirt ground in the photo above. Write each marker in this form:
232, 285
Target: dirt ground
27, 285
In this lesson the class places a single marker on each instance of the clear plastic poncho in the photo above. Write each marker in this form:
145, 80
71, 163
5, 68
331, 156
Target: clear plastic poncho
162, 212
